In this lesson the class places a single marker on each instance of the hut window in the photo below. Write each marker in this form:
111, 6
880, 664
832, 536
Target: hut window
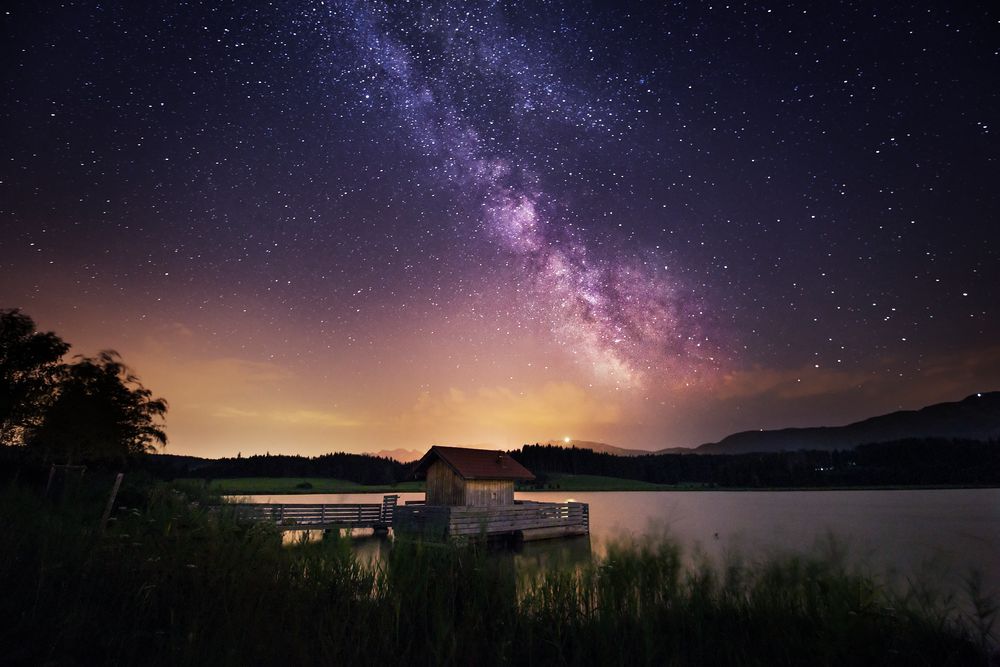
493, 495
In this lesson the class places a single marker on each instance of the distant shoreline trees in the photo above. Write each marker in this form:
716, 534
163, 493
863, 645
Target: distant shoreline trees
909, 462
92, 409
913, 462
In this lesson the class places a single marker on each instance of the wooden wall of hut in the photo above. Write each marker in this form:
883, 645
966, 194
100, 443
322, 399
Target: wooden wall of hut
489, 492
445, 487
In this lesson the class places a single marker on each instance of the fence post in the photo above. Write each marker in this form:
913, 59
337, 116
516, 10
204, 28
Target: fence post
388, 509
111, 501
52, 473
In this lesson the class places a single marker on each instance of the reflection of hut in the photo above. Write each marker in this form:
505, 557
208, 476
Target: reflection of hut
470, 477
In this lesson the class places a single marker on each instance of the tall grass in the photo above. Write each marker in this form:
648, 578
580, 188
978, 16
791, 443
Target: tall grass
170, 582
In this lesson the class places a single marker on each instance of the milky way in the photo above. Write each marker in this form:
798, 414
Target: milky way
651, 224
626, 318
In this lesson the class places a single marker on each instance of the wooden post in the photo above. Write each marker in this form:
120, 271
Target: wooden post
52, 473
111, 501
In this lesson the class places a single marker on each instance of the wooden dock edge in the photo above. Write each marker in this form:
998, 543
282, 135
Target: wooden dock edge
527, 522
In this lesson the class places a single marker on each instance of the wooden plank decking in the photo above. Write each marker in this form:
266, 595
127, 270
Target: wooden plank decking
525, 520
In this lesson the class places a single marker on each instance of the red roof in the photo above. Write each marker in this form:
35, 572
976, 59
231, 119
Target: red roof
473, 463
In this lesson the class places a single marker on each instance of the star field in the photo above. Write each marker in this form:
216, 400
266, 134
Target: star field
664, 222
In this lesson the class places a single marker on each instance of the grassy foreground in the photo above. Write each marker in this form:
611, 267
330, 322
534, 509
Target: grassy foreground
170, 582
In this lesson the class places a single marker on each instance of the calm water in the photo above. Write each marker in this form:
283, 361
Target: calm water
937, 534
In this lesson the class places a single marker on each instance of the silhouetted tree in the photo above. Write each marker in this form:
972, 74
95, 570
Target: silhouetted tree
101, 411
30, 369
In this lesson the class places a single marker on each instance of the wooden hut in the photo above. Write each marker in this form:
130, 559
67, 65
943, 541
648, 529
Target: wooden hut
470, 494
458, 476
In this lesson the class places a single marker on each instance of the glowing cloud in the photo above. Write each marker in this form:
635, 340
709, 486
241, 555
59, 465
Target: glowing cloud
554, 405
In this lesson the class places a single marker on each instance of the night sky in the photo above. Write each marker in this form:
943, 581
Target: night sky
324, 226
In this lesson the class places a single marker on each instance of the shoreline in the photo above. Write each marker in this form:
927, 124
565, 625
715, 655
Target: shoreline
292, 486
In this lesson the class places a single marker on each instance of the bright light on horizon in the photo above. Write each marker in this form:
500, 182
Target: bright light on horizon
567, 439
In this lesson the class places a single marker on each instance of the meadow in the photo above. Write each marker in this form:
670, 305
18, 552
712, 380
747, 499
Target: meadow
293, 485
570, 482
173, 581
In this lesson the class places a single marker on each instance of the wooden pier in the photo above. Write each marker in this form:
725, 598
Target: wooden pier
320, 516
522, 521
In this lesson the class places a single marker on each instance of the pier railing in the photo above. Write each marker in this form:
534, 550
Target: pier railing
525, 520
302, 516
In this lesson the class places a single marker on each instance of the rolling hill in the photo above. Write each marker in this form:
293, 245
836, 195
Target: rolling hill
598, 447
976, 417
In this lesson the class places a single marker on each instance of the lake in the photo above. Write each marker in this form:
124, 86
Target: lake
938, 535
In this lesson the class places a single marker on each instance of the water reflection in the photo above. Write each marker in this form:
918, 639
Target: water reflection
940, 534
364, 542
564, 552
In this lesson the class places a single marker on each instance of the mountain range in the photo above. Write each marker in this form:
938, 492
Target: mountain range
976, 417
597, 447
408, 455
401, 455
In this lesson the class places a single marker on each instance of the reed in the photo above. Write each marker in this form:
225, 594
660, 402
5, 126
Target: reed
171, 582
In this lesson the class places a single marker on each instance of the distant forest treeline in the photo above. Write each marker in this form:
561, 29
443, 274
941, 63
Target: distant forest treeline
360, 468
904, 462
